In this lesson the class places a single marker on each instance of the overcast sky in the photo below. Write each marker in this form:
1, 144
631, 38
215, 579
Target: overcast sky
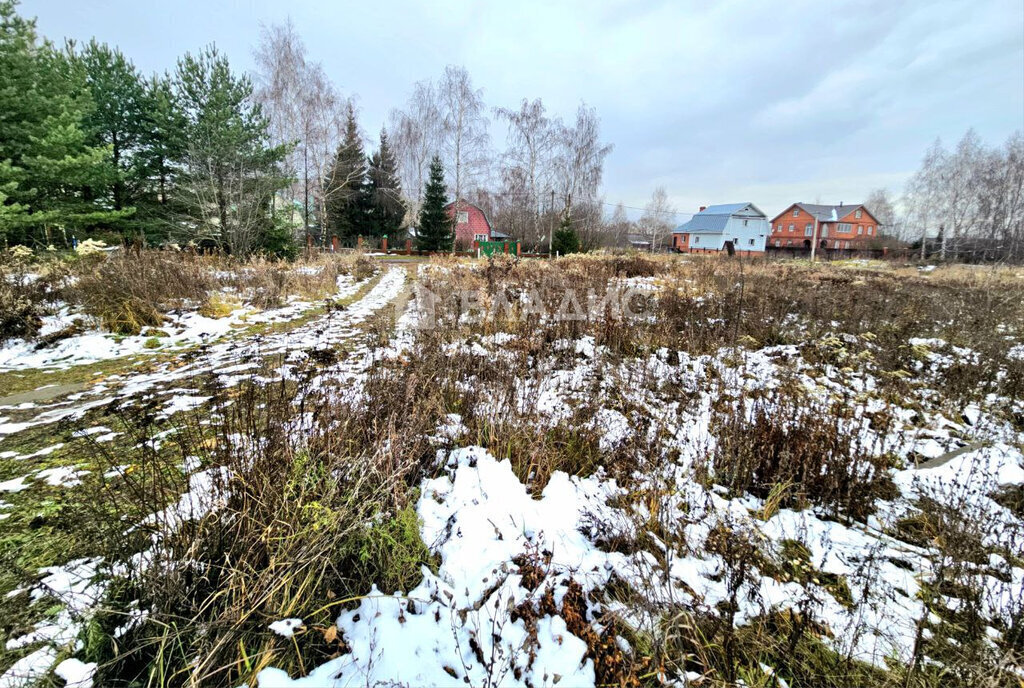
718, 101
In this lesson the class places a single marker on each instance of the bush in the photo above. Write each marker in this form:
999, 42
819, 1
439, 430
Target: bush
24, 295
801, 451
279, 241
130, 289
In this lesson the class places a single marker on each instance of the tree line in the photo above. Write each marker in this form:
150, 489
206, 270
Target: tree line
205, 155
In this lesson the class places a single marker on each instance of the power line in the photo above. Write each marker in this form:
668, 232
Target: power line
521, 194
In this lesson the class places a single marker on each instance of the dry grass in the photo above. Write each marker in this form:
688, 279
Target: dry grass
308, 474
26, 293
130, 290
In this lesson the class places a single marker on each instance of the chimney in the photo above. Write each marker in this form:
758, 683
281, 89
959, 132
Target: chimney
840, 204
702, 209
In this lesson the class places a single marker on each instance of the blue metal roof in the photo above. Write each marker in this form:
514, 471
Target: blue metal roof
714, 218
723, 209
705, 223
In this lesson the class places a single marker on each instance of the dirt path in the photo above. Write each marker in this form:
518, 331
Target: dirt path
949, 456
228, 362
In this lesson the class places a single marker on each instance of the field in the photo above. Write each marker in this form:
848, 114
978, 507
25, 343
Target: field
608, 469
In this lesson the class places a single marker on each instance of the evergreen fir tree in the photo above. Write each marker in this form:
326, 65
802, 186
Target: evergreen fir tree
346, 190
117, 118
53, 180
565, 240
387, 209
161, 157
436, 230
231, 172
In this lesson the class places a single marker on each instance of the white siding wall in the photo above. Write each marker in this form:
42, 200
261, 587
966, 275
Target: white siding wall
755, 229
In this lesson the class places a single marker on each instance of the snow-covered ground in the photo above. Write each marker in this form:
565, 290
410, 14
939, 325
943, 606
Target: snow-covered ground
181, 329
77, 585
461, 624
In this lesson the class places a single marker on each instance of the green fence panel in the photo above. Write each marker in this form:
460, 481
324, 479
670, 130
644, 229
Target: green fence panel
488, 248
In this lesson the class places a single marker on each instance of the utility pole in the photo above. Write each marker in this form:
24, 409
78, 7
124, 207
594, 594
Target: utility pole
814, 238
305, 196
551, 224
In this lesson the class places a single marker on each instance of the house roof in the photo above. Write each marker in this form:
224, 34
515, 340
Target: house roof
714, 218
828, 213
708, 224
724, 209
498, 234
474, 223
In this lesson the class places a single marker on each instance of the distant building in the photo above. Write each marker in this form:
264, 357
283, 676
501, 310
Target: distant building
641, 242
827, 226
716, 227
471, 224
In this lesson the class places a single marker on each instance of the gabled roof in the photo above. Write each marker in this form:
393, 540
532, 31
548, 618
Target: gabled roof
705, 223
473, 225
714, 218
828, 213
723, 209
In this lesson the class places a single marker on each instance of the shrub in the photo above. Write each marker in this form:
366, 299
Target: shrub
130, 289
813, 447
24, 295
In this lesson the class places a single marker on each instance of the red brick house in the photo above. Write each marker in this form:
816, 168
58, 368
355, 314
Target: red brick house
829, 226
471, 224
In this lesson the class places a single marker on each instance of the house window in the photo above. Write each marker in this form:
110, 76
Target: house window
858, 214
463, 217
696, 240
847, 244
778, 228
744, 223
824, 230
789, 242
751, 242
807, 230
796, 212
778, 242
870, 229
792, 227
479, 237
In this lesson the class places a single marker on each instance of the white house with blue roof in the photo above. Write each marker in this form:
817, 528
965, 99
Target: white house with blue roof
713, 227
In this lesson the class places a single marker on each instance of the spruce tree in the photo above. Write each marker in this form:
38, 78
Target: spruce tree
346, 191
387, 209
565, 239
436, 229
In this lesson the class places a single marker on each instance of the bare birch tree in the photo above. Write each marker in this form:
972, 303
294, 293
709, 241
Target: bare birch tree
579, 166
305, 109
532, 137
656, 221
466, 140
417, 135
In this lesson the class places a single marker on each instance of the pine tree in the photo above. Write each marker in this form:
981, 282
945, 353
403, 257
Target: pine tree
161, 157
346, 190
387, 209
231, 172
117, 118
54, 182
436, 230
565, 239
